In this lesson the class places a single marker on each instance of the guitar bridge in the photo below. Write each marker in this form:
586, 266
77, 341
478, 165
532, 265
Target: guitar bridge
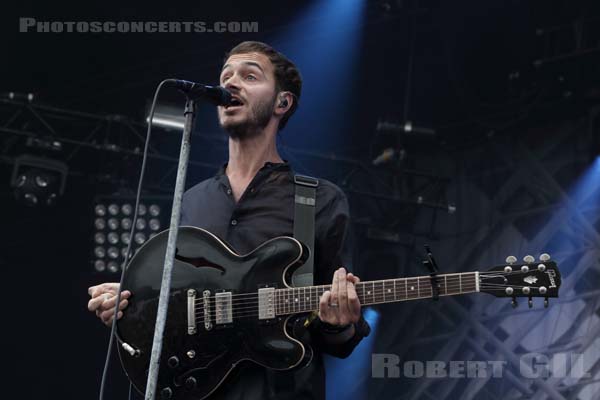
206, 301
191, 311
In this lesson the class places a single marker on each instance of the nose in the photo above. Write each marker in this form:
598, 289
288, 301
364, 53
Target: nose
232, 84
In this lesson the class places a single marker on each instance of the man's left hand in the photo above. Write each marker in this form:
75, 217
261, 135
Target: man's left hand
340, 306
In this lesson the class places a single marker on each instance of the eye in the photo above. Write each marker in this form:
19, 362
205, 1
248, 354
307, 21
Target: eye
224, 78
251, 77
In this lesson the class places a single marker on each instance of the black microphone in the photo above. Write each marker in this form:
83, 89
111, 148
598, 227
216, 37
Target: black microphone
217, 95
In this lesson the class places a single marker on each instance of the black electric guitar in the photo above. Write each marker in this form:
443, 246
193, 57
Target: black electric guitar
225, 309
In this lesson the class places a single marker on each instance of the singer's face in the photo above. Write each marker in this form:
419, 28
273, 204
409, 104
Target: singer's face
251, 80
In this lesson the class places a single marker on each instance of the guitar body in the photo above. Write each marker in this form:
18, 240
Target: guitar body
194, 364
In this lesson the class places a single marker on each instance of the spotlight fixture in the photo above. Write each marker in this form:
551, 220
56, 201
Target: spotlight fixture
113, 218
38, 181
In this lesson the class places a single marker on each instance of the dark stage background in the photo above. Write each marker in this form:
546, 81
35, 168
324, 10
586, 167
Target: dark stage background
489, 109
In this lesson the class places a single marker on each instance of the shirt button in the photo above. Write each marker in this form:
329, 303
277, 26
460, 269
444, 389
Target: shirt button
228, 191
234, 222
252, 190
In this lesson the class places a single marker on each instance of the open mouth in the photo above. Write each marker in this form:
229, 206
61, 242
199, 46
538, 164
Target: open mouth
235, 102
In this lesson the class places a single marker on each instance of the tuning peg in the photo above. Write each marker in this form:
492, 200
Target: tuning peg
545, 302
544, 257
529, 259
511, 259
541, 267
530, 302
514, 302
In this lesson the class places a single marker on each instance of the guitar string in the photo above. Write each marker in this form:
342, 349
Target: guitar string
377, 293
253, 306
484, 275
200, 299
252, 310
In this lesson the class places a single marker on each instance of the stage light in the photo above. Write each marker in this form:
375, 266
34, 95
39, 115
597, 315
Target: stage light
113, 218
38, 181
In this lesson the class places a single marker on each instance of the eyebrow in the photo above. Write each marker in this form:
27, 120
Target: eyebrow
249, 63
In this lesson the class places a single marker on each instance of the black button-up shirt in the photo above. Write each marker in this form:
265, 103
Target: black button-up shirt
265, 211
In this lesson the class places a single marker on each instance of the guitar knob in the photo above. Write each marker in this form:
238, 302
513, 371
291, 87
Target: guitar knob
545, 257
173, 362
190, 383
508, 269
511, 259
526, 290
166, 393
509, 291
543, 290
524, 269
529, 259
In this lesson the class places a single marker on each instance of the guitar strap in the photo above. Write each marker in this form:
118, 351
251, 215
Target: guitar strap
304, 225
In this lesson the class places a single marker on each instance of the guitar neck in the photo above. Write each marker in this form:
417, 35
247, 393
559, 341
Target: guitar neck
306, 299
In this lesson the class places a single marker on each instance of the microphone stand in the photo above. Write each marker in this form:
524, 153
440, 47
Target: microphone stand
165, 288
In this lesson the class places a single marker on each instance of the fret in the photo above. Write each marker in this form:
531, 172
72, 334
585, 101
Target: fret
412, 289
362, 296
296, 309
395, 294
445, 286
460, 282
450, 284
405, 289
427, 290
380, 292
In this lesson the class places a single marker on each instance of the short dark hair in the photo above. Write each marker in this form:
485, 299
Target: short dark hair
287, 76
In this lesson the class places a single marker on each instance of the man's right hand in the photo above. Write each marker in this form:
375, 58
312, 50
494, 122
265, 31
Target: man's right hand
103, 298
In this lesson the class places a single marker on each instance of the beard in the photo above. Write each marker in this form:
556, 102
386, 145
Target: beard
259, 116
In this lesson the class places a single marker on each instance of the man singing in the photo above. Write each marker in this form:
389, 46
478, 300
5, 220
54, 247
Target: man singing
251, 200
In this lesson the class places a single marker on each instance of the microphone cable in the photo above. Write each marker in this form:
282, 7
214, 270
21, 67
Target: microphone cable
113, 330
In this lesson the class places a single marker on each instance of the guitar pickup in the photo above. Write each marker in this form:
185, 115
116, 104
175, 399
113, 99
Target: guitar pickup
223, 309
266, 303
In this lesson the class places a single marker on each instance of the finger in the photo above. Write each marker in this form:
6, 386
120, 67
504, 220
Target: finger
107, 315
109, 321
353, 303
324, 306
107, 287
112, 300
353, 278
334, 289
95, 303
344, 313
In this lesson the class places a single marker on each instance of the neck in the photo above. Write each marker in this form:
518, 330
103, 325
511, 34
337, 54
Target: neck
248, 155
306, 299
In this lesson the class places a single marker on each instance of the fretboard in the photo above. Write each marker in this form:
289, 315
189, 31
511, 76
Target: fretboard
306, 299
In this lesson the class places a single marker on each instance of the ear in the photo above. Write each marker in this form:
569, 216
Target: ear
283, 103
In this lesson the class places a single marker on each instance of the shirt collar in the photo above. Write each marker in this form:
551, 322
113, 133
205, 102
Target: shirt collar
268, 167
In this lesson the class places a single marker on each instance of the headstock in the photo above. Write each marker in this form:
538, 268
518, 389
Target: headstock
528, 279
